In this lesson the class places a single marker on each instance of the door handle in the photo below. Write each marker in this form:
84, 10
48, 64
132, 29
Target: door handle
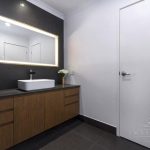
125, 74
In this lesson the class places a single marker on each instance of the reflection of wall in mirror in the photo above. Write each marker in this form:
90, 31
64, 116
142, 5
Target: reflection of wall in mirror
43, 48
37, 48
13, 47
48, 50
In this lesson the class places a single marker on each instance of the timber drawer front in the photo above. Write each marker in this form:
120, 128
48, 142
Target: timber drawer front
6, 117
6, 123
6, 104
71, 92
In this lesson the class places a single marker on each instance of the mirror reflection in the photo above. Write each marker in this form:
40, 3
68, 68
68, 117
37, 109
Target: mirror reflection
24, 44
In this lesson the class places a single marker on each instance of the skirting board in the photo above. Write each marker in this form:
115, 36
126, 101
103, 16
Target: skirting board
98, 124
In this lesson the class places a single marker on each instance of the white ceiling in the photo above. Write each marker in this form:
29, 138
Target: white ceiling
65, 6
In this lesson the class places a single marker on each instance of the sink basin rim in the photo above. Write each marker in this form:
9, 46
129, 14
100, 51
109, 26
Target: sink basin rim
35, 80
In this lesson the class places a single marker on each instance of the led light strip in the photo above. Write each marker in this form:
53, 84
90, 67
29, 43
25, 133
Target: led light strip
27, 63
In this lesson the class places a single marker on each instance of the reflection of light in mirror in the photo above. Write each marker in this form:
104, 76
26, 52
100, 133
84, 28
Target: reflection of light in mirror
28, 64
7, 24
22, 4
23, 25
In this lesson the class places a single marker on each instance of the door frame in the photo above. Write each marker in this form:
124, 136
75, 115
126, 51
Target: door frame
119, 61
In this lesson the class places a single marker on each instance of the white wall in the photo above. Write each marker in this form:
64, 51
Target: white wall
91, 51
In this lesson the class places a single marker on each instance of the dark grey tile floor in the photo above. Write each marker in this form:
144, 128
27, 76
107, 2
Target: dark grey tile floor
77, 135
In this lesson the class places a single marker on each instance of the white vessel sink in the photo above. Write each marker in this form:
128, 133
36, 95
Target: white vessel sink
29, 85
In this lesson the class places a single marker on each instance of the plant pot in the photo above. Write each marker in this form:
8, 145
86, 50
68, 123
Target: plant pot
63, 81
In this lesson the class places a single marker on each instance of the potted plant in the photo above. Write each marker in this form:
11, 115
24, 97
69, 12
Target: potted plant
63, 74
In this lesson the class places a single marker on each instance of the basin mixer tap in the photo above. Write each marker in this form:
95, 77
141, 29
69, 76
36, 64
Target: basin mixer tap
31, 74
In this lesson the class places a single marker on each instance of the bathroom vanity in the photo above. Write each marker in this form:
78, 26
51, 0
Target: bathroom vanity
26, 114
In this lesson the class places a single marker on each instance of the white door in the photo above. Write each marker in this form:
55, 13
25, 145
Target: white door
135, 72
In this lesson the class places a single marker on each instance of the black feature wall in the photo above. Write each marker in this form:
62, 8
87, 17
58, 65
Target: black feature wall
34, 16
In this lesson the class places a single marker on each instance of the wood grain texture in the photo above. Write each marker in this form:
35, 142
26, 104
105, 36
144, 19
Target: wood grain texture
54, 108
71, 99
6, 104
6, 117
6, 136
28, 116
71, 111
71, 92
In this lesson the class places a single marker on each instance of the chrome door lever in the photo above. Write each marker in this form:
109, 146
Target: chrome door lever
125, 74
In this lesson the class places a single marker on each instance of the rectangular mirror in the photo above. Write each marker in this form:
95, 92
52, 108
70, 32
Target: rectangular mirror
23, 44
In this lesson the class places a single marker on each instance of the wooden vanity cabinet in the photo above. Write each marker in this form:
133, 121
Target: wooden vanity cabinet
54, 108
28, 116
61, 106
24, 116
6, 123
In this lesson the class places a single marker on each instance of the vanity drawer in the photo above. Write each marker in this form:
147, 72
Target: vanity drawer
71, 111
71, 99
71, 92
6, 117
6, 104
6, 136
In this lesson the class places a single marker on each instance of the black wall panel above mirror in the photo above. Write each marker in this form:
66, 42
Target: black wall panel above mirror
34, 16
